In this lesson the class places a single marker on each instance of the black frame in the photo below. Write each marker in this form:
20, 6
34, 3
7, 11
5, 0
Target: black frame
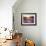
35, 14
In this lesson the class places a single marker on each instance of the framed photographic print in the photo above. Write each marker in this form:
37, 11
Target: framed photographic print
28, 19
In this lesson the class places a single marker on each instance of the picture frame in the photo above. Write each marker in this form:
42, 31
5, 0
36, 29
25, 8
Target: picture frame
29, 19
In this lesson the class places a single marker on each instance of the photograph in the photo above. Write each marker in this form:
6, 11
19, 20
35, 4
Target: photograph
28, 18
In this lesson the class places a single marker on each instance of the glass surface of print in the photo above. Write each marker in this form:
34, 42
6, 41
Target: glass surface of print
28, 19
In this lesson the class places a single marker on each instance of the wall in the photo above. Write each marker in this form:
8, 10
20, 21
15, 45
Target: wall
43, 22
29, 32
26, 6
6, 13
